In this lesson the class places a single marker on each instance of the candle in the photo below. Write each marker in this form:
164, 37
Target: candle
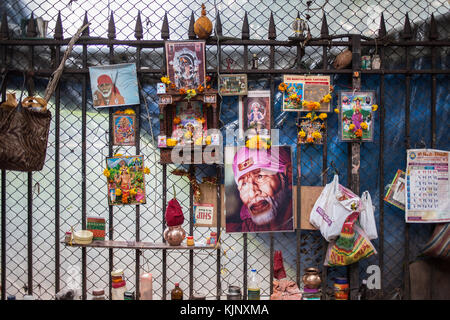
146, 286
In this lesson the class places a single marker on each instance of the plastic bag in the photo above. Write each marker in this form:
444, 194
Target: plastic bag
333, 206
351, 246
367, 216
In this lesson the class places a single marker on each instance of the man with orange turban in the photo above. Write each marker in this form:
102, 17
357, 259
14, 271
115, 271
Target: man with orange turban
107, 93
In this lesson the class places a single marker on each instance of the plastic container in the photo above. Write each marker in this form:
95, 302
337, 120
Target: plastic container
253, 289
341, 289
146, 286
128, 295
190, 241
98, 294
83, 236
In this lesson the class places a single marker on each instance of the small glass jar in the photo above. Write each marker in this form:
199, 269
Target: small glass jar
128, 295
68, 237
190, 241
98, 294
213, 238
234, 293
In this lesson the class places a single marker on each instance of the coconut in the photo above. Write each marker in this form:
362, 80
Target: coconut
203, 26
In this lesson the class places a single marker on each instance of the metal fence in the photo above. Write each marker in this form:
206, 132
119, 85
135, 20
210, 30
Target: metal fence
37, 208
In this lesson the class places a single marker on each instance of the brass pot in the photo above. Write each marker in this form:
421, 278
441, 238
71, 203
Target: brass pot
311, 279
174, 235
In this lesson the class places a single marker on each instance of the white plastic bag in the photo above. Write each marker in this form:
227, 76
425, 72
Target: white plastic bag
367, 216
332, 208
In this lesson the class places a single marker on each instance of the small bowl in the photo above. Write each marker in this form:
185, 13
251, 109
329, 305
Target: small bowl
83, 237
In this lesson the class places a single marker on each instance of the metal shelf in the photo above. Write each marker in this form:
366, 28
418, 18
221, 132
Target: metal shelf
139, 245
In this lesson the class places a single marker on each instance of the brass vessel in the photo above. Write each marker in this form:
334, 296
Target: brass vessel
174, 235
311, 279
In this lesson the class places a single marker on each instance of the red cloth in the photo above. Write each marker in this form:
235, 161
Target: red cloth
278, 267
174, 214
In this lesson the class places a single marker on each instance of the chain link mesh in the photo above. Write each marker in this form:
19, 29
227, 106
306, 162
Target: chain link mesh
343, 17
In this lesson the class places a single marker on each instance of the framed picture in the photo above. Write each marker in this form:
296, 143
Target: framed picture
258, 189
209, 98
310, 128
186, 63
190, 124
255, 113
166, 99
126, 181
233, 84
396, 193
356, 119
294, 85
114, 85
314, 89
124, 131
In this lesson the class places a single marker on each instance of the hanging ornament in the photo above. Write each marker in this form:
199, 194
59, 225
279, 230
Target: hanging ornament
299, 27
203, 26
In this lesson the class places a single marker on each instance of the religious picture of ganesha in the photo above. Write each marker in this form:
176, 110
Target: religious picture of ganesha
124, 130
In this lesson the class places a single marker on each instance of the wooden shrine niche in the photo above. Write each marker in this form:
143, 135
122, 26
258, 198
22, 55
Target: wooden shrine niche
185, 122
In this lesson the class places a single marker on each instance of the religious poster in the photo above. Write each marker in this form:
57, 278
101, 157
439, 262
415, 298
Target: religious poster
186, 63
189, 125
315, 88
294, 87
233, 84
396, 193
255, 114
114, 85
124, 132
427, 186
126, 182
258, 189
356, 120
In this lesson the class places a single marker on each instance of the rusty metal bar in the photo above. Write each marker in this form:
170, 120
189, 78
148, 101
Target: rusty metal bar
382, 112
31, 30
83, 171
314, 42
191, 232
111, 216
3, 34
164, 252
57, 165
355, 158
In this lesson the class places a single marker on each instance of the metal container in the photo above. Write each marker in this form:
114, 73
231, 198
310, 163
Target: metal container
234, 293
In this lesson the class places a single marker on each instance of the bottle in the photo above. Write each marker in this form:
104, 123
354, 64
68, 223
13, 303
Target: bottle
253, 292
119, 286
177, 293
363, 291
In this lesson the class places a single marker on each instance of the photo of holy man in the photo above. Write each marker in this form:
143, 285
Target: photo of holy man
258, 189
